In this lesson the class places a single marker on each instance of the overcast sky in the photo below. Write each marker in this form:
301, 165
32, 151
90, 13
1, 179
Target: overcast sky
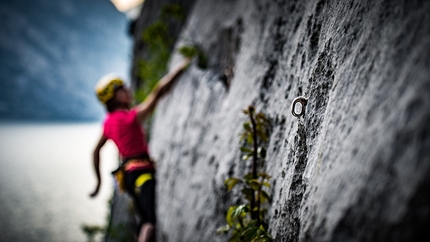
52, 54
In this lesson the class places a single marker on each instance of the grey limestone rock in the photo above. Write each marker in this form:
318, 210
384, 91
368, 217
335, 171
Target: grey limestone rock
355, 167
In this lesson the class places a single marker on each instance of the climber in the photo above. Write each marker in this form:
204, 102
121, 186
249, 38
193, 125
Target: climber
123, 125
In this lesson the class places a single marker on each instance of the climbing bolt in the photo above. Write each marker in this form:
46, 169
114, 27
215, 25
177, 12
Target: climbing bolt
303, 101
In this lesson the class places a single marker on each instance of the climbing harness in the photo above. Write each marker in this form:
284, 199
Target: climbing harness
118, 175
303, 101
133, 163
142, 179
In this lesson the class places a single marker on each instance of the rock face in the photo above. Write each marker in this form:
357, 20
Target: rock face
355, 167
149, 14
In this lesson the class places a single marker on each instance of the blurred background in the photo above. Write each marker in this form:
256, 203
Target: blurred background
51, 55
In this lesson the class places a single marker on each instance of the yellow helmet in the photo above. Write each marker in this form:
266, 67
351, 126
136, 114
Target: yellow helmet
106, 86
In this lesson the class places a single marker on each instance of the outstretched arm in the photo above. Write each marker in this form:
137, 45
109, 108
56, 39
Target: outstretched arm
145, 108
96, 162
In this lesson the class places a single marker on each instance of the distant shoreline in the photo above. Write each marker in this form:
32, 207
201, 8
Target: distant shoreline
26, 121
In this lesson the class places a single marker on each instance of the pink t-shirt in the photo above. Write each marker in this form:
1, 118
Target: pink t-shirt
122, 127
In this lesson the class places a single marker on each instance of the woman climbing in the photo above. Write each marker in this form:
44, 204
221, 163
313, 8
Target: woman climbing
123, 125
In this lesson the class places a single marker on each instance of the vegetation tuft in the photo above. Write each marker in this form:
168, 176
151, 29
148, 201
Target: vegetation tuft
247, 221
159, 42
91, 231
119, 232
194, 50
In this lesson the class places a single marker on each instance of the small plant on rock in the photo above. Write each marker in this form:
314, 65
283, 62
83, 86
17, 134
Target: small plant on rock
194, 50
247, 221
91, 231
159, 42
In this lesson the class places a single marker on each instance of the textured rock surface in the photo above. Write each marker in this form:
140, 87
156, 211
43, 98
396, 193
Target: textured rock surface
122, 223
354, 168
149, 14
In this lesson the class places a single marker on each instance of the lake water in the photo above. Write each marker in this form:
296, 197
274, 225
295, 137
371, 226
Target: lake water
46, 176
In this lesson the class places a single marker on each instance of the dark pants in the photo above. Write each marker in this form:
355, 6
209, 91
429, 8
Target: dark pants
144, 197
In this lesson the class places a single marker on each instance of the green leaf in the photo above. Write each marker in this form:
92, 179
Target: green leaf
243, 135
265, 196
236, 236
248, 177
249, 138
261, 228
246, 157
236, 213
247, 126
223, 229
230, 183
264, 175
254, 184
245, 149
248, 193
250, 231
262, 135
229, 217
262, 236
261, 118
240, 211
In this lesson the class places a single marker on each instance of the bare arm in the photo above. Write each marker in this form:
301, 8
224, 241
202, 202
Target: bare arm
96, 162
145, 108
